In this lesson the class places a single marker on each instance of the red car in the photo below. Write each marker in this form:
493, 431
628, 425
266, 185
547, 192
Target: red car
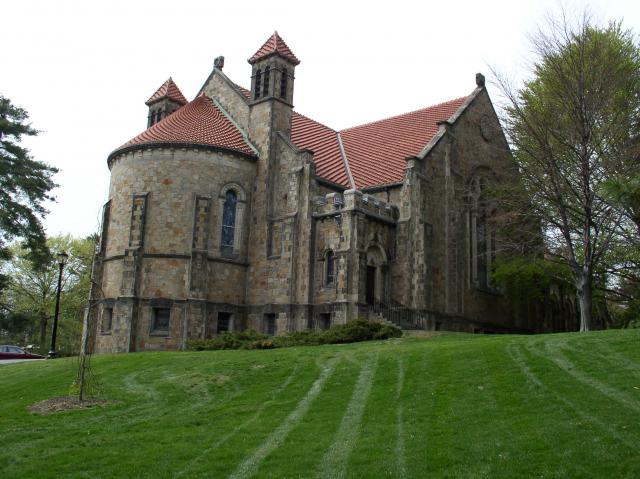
14, 352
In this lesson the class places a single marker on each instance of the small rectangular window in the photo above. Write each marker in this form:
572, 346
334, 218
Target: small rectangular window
161, 317
107, 318
270, 324
324, 321
224, 322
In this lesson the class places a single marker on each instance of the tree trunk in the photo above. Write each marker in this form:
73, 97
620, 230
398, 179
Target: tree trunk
43, 332
585, 299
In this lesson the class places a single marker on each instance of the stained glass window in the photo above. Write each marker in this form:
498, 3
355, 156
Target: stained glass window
229, 222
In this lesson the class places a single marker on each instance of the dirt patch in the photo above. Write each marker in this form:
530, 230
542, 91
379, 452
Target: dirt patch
63, 403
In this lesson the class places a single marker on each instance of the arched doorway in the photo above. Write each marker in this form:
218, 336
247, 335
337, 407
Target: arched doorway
375, 275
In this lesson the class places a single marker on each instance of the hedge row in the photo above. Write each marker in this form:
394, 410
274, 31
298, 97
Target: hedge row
354, 331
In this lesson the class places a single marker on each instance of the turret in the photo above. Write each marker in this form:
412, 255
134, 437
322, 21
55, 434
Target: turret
167, 99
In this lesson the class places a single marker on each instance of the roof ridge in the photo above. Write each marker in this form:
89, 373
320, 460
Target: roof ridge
393, 117
345, 160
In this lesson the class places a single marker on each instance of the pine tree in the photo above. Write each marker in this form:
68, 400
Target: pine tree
24, 186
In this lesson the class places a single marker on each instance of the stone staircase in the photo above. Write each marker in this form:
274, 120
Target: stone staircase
396, 315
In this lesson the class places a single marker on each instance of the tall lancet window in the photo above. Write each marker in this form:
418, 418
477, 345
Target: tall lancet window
283, 83
329, 276
481, 237
228, 223
256, 88
265, 86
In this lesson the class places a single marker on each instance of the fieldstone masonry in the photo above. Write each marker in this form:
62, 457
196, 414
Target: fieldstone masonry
306, 253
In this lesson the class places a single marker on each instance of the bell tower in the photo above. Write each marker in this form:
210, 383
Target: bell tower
271, 108
272, 81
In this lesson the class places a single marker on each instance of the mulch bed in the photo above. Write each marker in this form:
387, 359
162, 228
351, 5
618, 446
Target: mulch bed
63, 403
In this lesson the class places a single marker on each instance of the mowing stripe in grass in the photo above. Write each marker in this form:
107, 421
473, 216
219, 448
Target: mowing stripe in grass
516, 355
568, 367
400, 452
250, 465
243, 425
334, 462
610, 355
132, 384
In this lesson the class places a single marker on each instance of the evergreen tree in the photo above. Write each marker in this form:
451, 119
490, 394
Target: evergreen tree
24, 186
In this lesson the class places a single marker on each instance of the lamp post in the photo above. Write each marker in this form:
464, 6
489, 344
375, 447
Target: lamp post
62, 260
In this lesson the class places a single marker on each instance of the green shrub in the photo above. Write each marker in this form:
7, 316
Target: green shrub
261, 344
358, 330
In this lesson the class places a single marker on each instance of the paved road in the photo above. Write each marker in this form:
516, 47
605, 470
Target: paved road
11, 361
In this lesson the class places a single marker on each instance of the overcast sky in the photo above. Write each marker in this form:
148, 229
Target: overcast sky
83, 69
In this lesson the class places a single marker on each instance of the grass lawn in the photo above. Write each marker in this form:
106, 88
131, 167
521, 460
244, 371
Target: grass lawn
455, 405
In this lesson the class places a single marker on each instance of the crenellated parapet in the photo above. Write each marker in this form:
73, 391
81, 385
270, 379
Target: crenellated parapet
355, 200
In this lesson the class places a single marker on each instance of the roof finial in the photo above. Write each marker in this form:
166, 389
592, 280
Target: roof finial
480, 80
218, 62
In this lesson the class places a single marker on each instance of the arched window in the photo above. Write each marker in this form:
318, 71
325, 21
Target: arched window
256, 88
329, 268
375, 275
481, 239
265, 85
228, 223
283, 83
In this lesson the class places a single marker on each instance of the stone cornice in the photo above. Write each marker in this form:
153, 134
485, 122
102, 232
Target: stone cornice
177, 145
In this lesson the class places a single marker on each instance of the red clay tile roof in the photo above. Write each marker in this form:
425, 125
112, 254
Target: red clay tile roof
376, 151
323, 141
274, 45
168, 90
199, 122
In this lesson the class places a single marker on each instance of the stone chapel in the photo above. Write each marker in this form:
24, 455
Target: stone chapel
233, 211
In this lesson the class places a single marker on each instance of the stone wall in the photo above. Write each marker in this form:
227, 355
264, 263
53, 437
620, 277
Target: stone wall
163, 239
443, 179
221, 89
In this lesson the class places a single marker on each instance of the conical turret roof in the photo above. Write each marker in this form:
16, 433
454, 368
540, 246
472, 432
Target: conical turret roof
200, 122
